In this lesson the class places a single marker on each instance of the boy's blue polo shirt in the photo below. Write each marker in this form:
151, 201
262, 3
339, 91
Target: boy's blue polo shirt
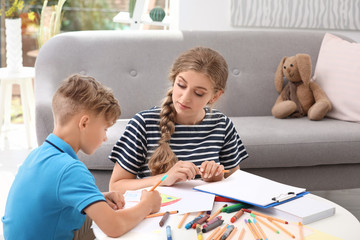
49, 194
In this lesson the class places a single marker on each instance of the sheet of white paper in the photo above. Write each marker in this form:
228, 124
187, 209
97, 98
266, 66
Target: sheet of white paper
250, 188
181, 197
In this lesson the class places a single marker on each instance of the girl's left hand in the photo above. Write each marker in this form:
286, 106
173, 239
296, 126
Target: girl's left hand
211, 171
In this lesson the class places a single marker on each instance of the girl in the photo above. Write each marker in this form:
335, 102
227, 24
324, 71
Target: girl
184, 137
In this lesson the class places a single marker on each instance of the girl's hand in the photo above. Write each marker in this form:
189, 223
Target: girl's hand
114, 199
211, 171
180, 172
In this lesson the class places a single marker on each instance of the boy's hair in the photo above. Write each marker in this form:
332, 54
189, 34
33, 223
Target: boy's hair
199, 59
79, 93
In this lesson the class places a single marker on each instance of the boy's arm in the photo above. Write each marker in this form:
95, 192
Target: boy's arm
116, 223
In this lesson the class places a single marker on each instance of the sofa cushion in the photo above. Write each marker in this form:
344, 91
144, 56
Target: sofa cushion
338, 73
299, 141
269, 141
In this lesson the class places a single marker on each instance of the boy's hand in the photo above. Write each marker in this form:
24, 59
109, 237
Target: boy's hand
115, 200
180, 172
211, 171
153, 199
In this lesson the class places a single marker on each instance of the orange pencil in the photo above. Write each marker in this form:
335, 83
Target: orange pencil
255, 230
301, 233
265, 216
242, 232
251, 230
160, 214
226, 171
213, 233
281, 228
183, 219
260, 229
216, 213
219, 234
199, 214
162, 179
265, 223
232, 233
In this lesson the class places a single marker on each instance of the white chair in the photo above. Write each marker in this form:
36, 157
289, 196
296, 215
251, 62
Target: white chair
23, 78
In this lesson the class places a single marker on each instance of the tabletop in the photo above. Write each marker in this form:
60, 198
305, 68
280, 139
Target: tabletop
342, 225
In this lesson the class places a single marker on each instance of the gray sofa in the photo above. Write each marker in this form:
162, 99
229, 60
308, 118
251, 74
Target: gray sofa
317, 155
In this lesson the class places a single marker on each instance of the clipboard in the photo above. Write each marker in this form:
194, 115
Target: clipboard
252, 189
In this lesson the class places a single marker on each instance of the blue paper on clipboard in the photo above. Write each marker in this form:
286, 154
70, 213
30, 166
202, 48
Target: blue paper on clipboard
252, 189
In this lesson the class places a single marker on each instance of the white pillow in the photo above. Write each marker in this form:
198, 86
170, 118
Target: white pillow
337, 72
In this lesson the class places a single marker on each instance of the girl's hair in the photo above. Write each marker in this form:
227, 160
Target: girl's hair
199, 59
80, 93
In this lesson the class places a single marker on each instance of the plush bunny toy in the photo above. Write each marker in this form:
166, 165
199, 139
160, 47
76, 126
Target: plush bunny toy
300, 96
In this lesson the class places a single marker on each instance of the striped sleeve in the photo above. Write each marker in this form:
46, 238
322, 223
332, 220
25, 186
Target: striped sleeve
130, 150
233, 150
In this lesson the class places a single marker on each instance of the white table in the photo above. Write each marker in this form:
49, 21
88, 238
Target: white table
24, 78
342, 225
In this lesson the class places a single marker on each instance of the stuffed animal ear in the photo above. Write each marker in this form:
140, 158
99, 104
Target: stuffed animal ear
279, 76
304, 66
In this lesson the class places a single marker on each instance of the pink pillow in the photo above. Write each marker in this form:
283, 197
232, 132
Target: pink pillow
337, 71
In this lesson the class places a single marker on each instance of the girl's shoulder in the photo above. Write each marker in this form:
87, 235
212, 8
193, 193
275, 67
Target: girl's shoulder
215, 114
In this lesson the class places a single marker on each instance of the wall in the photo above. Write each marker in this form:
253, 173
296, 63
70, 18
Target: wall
216, 15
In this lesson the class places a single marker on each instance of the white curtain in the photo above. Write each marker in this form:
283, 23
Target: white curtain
306, 14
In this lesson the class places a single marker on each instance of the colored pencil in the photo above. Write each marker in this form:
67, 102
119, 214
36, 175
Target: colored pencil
231, 234
162, 179
265, 223
219, 234
251, 230
258, 236
242, 232
260, 229
281, 228
301, 232
265, 216
183, 219
214, 232
160, 214
216, 213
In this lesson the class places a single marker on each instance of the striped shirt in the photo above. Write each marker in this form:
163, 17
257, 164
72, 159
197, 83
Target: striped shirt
213, 139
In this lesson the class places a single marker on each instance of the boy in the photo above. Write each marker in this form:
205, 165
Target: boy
53, 190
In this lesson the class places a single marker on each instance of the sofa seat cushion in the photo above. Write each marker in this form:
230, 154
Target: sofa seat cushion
269, 140
302, 142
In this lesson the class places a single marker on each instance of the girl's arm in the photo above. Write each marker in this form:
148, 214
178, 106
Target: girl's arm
121, 180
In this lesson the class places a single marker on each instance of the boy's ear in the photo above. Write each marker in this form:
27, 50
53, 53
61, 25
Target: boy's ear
84, 121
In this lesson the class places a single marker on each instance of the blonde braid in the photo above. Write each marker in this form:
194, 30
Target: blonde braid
163, 157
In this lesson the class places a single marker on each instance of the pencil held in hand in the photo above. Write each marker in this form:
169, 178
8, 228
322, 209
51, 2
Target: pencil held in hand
162, 179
